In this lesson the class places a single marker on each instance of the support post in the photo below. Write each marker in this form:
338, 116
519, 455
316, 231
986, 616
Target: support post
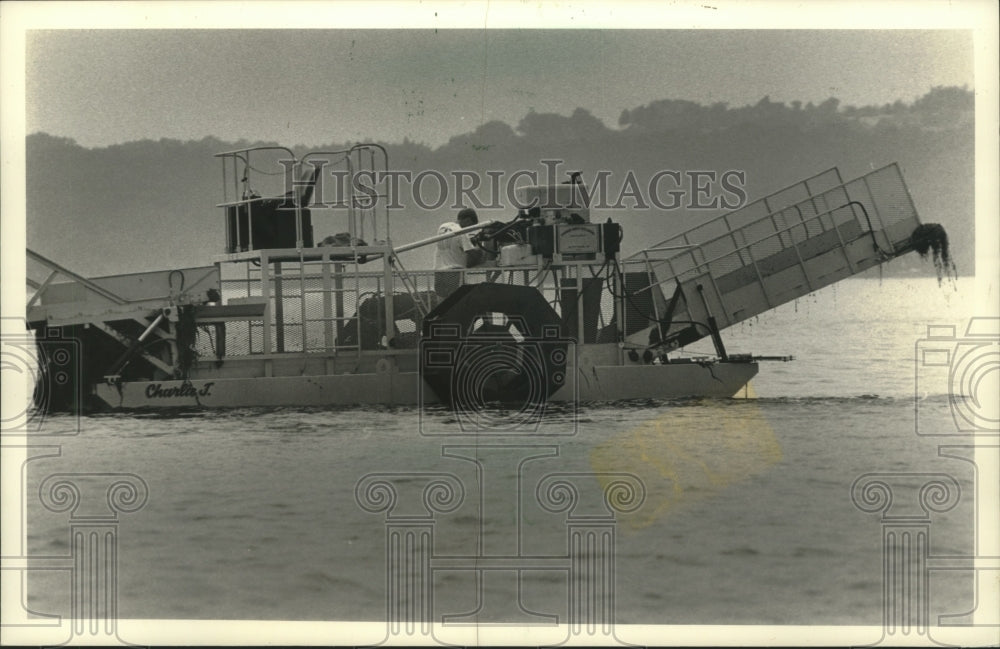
279, 308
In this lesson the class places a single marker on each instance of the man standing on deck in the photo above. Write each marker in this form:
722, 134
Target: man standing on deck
456, 252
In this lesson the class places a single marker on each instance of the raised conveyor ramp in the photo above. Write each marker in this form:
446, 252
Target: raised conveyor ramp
777, 249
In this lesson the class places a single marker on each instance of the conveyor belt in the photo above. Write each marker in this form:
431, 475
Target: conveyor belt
757, 258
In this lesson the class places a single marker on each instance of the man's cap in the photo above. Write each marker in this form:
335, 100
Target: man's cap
468, 213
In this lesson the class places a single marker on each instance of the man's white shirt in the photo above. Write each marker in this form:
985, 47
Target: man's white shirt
450, 253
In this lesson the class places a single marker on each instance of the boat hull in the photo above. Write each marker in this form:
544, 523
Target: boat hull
389, 387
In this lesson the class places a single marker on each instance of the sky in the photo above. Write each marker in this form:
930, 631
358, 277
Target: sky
311, 87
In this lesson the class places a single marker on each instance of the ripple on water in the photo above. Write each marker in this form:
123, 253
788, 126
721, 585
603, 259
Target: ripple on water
282, 480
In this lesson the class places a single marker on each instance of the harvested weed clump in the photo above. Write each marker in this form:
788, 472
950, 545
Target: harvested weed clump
930, 238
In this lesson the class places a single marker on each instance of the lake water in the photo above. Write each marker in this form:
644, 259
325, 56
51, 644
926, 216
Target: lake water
747, 517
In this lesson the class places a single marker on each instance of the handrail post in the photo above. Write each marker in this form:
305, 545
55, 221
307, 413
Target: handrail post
389, 293
279, 307
265, 292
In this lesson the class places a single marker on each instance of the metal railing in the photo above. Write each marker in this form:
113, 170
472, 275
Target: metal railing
325, 305
56, 271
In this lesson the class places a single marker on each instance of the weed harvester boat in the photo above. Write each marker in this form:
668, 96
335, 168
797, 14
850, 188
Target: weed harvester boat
562, 316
